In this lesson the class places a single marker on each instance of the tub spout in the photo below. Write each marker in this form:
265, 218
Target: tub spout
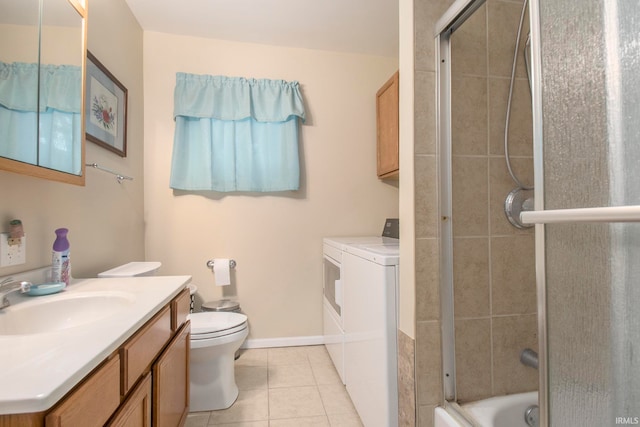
529, 358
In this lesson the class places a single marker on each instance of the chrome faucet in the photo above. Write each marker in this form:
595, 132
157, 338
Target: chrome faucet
9, 285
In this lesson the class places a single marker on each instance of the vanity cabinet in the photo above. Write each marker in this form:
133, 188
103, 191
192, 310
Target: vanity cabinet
136, 410
387, 121
144, 383
171, 382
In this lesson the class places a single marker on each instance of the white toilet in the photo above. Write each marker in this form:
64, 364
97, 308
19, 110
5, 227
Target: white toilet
215, 337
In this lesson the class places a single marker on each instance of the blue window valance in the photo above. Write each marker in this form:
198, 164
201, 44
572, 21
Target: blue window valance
236, 134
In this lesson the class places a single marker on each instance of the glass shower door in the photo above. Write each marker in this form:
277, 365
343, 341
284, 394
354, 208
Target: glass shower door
587, 138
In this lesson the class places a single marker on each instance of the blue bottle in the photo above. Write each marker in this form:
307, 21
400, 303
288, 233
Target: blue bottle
61, 261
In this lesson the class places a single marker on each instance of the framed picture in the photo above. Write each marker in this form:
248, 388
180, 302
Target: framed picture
105, 108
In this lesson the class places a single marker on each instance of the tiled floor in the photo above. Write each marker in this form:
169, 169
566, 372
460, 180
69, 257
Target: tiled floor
284, 387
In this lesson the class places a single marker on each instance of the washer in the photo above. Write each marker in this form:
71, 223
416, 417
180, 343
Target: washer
370, 282
333, 301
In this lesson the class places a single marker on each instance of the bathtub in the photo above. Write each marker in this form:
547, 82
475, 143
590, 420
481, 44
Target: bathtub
503, 411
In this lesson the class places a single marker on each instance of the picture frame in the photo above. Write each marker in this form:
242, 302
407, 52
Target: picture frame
105, 108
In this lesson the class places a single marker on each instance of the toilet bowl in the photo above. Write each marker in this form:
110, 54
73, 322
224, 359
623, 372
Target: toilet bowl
215, 337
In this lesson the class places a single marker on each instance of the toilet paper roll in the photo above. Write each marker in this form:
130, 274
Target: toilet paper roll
222, 271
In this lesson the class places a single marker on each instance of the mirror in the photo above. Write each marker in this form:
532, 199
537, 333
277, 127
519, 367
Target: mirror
42, 59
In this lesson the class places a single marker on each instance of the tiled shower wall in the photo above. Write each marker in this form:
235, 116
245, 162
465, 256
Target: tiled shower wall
493, 270
428, 359
495, 286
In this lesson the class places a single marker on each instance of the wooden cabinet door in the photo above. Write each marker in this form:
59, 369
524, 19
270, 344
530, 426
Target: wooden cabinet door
387, 118
171, 382
136, 410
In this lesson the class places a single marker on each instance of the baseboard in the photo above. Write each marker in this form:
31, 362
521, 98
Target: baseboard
283, 342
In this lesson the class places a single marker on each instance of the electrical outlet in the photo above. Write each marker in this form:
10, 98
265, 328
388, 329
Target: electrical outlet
12, 252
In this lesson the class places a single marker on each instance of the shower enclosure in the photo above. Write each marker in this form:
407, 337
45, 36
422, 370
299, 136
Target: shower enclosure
584, 115
487, 265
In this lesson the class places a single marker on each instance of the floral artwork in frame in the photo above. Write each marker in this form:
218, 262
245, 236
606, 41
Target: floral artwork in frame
105, 108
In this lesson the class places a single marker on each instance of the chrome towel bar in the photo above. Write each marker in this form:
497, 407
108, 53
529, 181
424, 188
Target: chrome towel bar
563, 216
118, 175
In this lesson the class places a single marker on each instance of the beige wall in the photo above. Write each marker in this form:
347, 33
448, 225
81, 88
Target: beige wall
275, 238
105, 219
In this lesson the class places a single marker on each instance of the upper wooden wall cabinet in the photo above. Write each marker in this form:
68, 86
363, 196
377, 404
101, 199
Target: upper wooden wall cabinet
387, 118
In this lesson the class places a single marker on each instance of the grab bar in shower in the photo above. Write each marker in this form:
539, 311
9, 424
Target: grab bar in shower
529, 358
563, 216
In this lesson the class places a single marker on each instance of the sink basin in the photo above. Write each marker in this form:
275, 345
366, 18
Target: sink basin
61, 311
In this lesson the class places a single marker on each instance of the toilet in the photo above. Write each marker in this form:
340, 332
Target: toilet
215, 338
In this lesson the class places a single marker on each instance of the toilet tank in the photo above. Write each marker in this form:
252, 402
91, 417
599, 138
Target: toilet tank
132, 269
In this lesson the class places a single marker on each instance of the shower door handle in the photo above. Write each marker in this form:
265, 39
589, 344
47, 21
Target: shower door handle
564, 216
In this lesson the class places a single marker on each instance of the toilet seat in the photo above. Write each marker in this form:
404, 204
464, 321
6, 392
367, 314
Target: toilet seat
207, 325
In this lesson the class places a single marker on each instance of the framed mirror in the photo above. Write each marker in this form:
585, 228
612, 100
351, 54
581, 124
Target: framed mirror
42, 62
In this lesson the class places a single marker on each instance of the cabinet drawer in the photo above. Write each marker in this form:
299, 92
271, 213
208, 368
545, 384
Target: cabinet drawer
138, 353
93, 402
180, 307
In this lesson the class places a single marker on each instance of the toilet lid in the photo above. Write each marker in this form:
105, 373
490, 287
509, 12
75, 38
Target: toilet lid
215, 321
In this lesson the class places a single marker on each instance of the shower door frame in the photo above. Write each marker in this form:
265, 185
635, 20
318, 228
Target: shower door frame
452, 19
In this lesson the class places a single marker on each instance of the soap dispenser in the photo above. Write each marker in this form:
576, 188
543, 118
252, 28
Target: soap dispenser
61, 261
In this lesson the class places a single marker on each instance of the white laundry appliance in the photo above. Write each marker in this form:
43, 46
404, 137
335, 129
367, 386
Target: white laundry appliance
370, 283
333, 301
360, 321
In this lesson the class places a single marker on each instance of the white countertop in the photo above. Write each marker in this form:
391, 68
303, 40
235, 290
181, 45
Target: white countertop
37, 370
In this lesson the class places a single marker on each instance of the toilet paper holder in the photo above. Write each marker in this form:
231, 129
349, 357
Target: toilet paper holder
232, 263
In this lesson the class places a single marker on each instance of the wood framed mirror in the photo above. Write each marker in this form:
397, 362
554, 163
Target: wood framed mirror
42, 67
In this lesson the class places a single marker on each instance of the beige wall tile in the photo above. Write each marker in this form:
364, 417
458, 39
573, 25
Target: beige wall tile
501, 184
470, 196
513, 284
520, 118
426, 196
427, 280
429, 363
469, 116
425, 416
511, 335
471, 277
503, 19
426, 13
473, 359
425, 113
469, 45
406, 380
